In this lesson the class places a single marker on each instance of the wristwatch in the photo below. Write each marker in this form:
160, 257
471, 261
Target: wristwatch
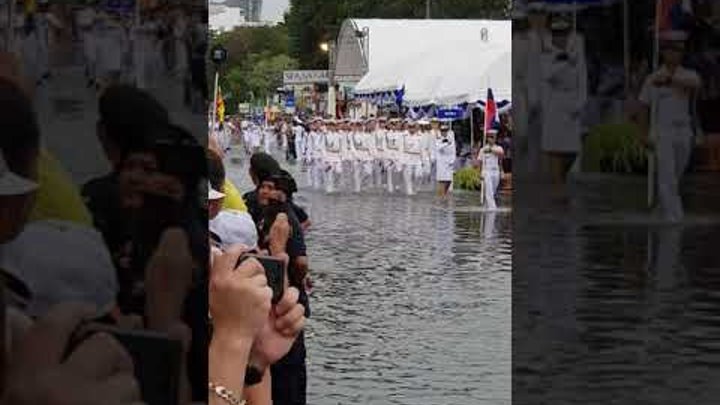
253, 375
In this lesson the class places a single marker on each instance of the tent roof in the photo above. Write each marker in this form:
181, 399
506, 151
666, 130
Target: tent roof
426, 53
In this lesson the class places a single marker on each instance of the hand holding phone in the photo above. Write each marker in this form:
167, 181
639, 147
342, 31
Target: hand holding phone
156, 358
239, 295
99, 367
274, 273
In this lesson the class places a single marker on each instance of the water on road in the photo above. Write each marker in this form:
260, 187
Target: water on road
411, 301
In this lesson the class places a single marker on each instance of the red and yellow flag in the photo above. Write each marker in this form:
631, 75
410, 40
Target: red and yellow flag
220, 106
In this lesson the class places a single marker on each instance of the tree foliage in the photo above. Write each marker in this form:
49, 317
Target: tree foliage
257, 57
312, 22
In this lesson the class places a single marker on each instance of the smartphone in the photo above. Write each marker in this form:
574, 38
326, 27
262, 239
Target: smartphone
157, 358
274, 272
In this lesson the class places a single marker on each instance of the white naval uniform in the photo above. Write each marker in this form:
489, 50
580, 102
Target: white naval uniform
428, 147
255, 139
412, 159
333, 151
393, 153
491, 171
359, 144
86, 20
318, 163
445, 158
111, 45
267, 139
299, 133
379, 150
674, 139
564, 96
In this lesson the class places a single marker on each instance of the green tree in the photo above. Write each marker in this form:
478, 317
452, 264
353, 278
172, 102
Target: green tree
257, 57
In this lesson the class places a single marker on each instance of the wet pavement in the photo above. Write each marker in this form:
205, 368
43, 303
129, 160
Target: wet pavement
411, 300
612, 308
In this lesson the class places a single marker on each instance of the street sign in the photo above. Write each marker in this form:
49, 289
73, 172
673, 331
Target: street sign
450, 113
305, 77
290, 102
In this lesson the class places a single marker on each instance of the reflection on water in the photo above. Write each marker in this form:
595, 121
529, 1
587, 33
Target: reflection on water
616, 314
411, 302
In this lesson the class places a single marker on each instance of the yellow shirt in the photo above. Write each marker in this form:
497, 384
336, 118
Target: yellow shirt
233, 198
57, 196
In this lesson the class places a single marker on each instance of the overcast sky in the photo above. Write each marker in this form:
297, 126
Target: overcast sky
273, 9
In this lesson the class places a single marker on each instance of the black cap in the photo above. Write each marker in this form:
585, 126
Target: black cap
130, 116
263, 165
284, 181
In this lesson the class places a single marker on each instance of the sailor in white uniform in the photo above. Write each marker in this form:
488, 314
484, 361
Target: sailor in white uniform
267, 137
379, 155
490, 157
413, 157
112, 44
333, 151
428, 148
361, 146
393, 152
318, 163
86, 20
564, 97
445, 159
670, 91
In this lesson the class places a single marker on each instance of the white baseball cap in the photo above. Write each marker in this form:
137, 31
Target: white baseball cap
214, 194
233, 228
75, 265
11, 183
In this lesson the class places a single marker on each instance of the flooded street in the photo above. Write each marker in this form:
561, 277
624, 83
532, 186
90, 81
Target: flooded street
411, 300
606, 312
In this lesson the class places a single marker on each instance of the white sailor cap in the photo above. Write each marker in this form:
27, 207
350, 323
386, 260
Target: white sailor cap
423, 122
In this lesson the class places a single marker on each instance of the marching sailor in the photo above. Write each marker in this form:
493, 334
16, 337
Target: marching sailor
428, 149
361, 152
445, 159
333, 150
393, 152
412, 157
670, 91
379, 133
490, 157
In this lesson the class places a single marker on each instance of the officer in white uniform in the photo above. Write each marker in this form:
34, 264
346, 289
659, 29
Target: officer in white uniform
412, 158
360, 147
299, 135
670, 91
333, 151
379, 156
393, 152
318, 163
445, 160
490, 157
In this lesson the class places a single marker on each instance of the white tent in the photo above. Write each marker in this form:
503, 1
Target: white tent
443, 62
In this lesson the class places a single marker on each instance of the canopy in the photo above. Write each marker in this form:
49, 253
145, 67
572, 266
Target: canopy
442, 62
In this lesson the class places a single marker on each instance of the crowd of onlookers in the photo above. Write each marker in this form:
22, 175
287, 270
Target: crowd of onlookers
115, 291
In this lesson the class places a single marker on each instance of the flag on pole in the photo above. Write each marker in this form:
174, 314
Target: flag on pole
491, 112
220, 106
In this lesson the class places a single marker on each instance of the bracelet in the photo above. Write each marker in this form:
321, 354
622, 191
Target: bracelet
225, 394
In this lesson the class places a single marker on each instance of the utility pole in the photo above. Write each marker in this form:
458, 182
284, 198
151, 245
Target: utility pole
427, 9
